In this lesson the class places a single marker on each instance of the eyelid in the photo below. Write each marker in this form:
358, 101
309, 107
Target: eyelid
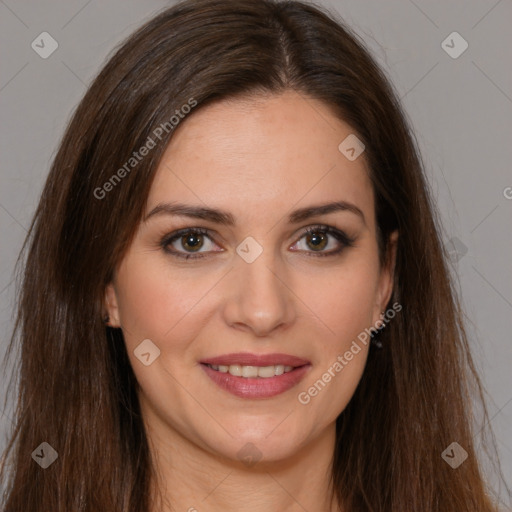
175, 235
343, 239
341, 236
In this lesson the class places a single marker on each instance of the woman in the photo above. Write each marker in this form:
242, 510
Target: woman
235, 295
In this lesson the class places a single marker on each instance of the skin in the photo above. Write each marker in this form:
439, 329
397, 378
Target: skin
258, 158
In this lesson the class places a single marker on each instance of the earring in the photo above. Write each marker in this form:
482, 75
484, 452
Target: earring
374, 335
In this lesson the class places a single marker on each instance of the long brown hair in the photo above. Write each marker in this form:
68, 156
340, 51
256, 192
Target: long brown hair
77, 391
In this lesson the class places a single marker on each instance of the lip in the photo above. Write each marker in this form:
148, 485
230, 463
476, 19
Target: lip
256, 387
248, 359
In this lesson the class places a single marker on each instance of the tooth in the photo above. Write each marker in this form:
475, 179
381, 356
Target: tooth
266, 371
236, 370
279, 369
249, 371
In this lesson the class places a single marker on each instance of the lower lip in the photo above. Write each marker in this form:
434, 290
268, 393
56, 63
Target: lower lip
257, 387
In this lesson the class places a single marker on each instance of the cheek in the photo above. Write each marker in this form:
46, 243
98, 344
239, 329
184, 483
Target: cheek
344, 307
344, 301
158, 304
155, 301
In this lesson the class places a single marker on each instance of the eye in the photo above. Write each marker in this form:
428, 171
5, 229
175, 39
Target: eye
317, 239
190, 239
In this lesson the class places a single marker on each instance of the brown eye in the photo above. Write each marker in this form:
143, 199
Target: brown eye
192, 241
187, 243
316, 240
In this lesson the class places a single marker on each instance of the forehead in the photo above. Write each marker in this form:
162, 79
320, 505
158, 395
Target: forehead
261, 154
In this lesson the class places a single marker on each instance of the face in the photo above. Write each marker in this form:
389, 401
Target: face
234, 270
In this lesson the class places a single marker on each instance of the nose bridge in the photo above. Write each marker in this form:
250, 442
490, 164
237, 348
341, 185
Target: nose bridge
260, 272
259, 299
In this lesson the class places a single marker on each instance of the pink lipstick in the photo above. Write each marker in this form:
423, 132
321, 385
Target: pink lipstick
255, 376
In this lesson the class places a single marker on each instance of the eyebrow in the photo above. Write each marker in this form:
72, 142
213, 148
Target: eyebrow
225, 218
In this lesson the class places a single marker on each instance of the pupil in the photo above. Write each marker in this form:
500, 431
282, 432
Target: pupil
189, 241
318, 240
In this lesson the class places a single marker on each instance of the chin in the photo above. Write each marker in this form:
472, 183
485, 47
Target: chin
256, 446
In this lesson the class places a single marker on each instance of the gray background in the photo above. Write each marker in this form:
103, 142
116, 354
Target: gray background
461, 110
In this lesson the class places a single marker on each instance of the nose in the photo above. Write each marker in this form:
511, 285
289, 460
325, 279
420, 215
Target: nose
258, 296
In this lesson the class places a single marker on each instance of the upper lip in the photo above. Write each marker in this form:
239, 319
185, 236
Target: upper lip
248, 359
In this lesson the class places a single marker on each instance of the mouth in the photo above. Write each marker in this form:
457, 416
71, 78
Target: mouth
252, 372
256, 376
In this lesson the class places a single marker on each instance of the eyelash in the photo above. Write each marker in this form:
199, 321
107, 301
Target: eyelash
343, 238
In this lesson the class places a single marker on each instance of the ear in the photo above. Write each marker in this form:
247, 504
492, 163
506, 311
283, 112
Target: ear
111, 306
386, 278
